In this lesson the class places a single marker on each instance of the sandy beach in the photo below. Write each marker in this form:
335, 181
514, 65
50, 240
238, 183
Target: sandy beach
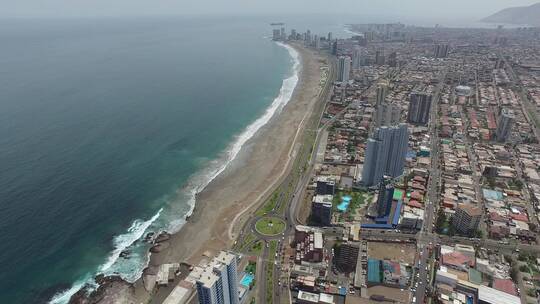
261, 164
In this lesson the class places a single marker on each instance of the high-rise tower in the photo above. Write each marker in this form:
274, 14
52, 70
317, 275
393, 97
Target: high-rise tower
344, 69
385, 154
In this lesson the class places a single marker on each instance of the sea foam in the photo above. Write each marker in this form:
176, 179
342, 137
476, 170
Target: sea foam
199, 181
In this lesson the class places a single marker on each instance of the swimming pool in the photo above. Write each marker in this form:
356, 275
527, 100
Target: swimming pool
398, 194
246, 280
345, 202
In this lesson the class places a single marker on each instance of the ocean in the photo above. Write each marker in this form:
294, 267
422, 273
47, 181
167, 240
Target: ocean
108, 127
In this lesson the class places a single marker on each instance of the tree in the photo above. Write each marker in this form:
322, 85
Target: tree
441, 221
451, 230
514, 274
491, 182
479, 234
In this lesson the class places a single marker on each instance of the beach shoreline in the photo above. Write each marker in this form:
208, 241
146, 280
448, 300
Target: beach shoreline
220, 210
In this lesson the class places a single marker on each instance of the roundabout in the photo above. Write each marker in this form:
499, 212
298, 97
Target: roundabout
270, 226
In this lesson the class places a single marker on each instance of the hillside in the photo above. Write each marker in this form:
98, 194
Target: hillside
529, 15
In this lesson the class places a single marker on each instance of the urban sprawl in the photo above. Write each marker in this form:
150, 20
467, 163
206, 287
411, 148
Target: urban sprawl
417, 183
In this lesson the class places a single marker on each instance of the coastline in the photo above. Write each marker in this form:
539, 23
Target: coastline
238, 188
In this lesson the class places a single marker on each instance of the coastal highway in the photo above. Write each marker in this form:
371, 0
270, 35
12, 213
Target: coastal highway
285, 174
292, 211
291, 214
301, 180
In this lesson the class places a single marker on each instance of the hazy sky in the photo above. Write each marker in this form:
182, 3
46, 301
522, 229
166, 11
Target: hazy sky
449, 9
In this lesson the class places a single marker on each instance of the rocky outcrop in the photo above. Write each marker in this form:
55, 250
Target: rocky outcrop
112, 289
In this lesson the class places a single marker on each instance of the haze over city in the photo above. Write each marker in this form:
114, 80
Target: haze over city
409, 9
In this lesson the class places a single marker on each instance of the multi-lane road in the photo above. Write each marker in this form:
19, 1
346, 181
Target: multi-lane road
430, 207
292, 202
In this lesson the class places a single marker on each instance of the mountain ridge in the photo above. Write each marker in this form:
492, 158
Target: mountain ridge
529, 15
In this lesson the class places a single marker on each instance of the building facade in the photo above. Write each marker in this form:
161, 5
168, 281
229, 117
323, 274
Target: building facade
384, 201
385, 154
344, 69
467, 218
441, 50
218, 283
419, 108
356, 57
504, 125
321, 210
387, 114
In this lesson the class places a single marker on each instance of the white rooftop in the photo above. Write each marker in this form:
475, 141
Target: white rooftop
326, 298
318, 240
494, 296
178, 295
308, 296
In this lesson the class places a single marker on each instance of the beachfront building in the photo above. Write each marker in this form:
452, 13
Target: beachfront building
344, 69
326, 185
218, 282
385, 154
321, 210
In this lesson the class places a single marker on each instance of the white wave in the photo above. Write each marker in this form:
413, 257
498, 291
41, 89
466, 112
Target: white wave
195, 185
121, 243
348, 30
64, 296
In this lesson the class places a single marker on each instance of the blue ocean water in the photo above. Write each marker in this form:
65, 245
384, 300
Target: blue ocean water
103, 126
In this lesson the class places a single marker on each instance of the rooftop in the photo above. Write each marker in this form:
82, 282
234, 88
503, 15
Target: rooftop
494, 296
